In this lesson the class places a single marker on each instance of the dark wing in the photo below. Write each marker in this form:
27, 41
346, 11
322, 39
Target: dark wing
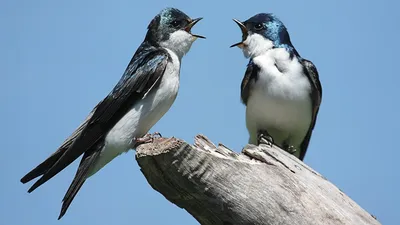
143, 72
316, 96
249, 79
45, 165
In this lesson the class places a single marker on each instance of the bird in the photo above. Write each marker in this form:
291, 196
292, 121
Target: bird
120, 122
280, 89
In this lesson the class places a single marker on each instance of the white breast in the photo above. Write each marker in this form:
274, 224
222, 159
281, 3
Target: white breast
280, 101
143, 115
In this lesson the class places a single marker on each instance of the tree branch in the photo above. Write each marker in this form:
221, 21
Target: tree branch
262, 185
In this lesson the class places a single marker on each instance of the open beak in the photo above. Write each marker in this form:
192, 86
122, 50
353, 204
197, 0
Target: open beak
190, 25
244, 34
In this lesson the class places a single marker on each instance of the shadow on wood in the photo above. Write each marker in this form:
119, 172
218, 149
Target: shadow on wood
262, 185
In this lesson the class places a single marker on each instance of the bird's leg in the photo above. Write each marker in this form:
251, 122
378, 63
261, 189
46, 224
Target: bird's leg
264, 138
289, 148
143, 140
157, 134
148, 138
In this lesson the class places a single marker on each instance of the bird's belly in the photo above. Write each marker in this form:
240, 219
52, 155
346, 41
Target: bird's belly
143, 115
285, 118
136, 123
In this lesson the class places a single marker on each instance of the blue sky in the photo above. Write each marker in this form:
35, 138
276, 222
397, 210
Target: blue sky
59, 58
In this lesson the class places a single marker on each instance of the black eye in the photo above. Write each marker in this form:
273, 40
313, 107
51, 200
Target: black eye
176, 23
258, 26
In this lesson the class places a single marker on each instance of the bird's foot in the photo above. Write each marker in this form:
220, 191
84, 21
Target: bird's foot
289, 148
148, 138
143, 140
265, 138
157, 134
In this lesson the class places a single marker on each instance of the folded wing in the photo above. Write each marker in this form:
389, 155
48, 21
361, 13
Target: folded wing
142, 74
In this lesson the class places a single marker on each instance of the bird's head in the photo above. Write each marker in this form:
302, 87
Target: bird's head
261, 33
171, 29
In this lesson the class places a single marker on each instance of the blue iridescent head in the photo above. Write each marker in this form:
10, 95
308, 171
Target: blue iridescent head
263, 32
168, 21
171, 29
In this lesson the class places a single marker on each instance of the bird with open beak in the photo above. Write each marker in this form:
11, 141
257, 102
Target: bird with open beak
119, 122
281, 89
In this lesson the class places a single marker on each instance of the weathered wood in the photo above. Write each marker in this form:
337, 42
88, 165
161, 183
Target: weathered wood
262, 185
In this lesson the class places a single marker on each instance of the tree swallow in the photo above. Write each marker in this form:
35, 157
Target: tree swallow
281, 90
143, 95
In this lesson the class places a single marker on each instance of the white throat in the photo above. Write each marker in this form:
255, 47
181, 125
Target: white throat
256, 45
179, 42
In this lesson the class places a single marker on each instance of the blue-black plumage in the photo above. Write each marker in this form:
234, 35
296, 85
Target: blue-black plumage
145, 92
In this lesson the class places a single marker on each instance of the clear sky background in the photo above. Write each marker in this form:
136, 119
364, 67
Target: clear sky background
59, 58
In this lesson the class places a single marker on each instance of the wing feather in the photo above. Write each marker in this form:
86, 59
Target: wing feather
250, 77
142, 74
316, 96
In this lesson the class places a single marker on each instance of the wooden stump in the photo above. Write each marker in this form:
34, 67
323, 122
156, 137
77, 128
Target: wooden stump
262, 185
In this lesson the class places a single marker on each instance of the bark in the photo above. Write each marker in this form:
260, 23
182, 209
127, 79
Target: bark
262, 185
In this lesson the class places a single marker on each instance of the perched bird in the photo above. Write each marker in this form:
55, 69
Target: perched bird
281, 90
121, 120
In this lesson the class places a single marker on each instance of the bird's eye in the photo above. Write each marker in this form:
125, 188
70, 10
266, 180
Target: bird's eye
176, 23
258, 26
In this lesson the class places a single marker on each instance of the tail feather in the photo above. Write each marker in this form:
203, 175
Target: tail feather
51, 161
61, 159
57, 167
87, 162
42, 167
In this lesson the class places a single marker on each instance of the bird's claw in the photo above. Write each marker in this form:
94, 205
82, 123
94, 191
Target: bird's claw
291, 149
143, 140
148, 138
265, 138
157, 134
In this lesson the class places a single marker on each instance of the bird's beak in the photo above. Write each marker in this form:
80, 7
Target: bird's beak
244, 34
190, 25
